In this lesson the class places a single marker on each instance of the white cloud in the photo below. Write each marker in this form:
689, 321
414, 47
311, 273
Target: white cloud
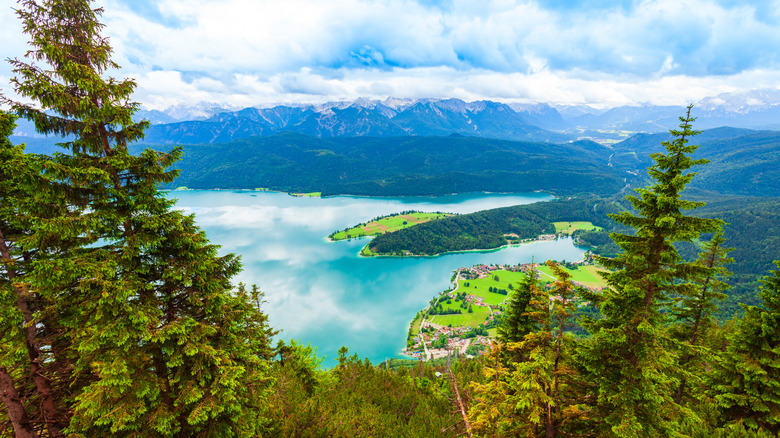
162, 89
255, 53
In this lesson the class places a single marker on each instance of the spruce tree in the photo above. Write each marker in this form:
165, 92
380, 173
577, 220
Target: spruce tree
746, 381
697, 302
630, 356
129, 301
19, 346
542, 384
531, 383
516, 323
32, 344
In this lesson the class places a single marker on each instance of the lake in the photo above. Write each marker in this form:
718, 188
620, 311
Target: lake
322, 292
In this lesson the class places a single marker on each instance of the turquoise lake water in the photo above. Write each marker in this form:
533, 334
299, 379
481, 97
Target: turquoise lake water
321, 292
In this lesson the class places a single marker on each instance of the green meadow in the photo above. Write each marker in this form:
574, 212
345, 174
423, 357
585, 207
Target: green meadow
465, 319
570, 227
481, 286
586, 275
387, 224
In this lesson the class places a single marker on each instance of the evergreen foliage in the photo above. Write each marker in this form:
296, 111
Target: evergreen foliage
120, 315
746, 382
630, 356
516, 322
358, 399
532, 386
697, 302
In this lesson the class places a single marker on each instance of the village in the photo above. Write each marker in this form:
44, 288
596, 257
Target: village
462, 321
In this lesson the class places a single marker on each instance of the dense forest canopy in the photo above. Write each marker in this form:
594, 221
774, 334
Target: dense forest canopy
490, 229
397, 166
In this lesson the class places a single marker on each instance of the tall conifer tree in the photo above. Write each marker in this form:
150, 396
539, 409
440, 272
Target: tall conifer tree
696, 303
529, 388
630, 356
517, 323
746, 381
131, 300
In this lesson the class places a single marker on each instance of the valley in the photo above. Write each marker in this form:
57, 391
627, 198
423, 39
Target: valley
323, 292
562, 226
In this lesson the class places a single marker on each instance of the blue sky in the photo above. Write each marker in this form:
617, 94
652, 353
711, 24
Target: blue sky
598, 52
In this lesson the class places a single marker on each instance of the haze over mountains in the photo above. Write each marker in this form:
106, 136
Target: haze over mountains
439, 146
209, 123
759, 109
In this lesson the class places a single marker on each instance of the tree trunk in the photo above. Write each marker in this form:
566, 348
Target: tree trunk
51, 414
14, 406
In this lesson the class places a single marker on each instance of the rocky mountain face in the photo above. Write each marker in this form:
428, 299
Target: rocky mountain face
394, 117
391, 118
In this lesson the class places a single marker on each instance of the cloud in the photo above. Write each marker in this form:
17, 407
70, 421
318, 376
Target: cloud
297, 50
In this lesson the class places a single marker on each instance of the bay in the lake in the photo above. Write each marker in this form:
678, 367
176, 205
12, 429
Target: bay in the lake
321, 292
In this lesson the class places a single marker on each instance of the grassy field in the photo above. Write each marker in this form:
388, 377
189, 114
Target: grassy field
479, 316
387, 224
570, 227
414, 327
587, 275
481, 286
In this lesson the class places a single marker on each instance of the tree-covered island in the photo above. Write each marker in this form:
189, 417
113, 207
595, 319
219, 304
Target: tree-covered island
489, 229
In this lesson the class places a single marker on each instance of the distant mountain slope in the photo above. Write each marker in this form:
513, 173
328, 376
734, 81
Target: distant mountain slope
366, 118
755, 109
397, 165
742, 162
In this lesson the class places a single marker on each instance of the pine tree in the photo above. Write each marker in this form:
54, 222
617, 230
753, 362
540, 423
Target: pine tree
541, 384
630, 356
516, 323
694, 307
19, 346
530, 388
32, 343
131, 303
746, 380
493, 411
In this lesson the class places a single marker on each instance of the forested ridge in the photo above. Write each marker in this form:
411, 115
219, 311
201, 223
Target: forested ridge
743, 162
118, 318
488, 229
397, 166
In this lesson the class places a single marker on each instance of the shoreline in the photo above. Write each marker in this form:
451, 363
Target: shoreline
485, 250
536, 192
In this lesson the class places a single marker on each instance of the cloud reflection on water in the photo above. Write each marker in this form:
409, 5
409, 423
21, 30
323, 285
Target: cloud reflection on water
322, 292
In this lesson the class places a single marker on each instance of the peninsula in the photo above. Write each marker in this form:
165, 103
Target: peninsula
387, 224
463, 319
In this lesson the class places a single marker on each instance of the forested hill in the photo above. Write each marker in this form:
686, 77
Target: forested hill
486, 229
742, 162
398, 166
752, 229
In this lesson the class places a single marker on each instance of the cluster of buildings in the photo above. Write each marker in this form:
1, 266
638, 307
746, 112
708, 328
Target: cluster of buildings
430, 333
484, 271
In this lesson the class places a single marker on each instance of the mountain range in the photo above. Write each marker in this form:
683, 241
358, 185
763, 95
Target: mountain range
392, 117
